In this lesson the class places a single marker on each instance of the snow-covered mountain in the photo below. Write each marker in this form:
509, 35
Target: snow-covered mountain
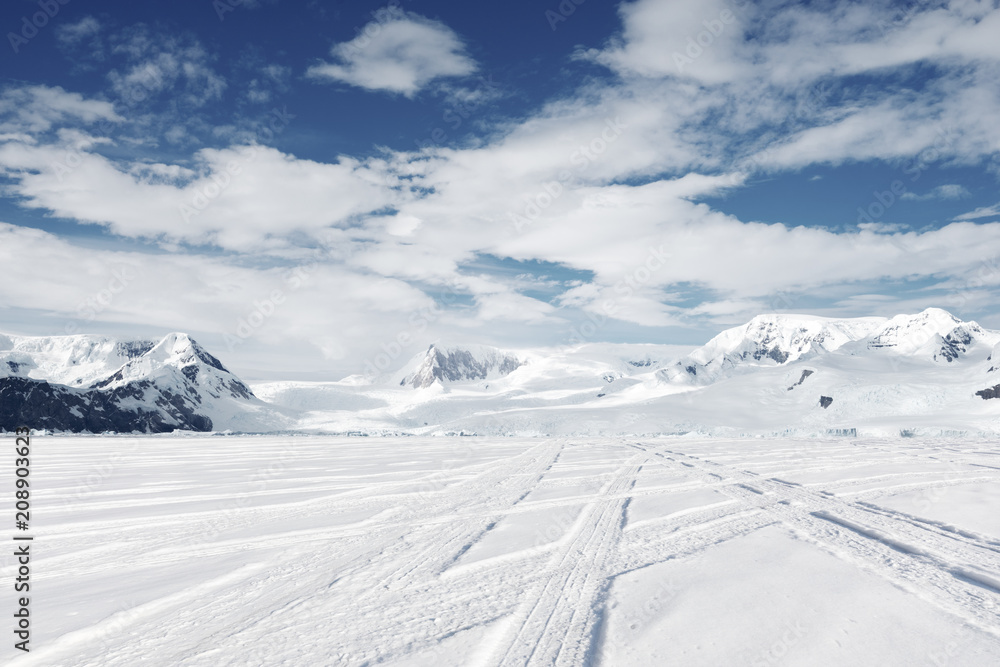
928, 372
776, 340
923, 373
87, 383
933, 332
767, 340
452, 363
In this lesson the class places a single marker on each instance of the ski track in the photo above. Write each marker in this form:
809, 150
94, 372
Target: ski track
320, 566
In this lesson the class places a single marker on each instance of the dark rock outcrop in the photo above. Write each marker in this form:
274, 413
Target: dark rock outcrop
989, 392
39, 404
955, 345
825, 401
802, 379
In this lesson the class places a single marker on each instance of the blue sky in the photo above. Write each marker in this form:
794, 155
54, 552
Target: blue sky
305, 185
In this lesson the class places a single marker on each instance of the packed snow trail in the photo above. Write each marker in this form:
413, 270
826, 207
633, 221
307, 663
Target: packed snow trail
468, 551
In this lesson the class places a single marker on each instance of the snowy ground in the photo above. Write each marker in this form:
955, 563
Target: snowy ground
464, 551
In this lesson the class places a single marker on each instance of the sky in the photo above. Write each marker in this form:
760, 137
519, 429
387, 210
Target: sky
312, 188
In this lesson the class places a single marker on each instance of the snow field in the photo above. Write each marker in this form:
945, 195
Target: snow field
468, 551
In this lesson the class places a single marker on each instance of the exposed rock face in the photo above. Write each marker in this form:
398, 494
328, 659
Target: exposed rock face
955, 344
38, 404
989, 392
825, 401
457, 365
805, 374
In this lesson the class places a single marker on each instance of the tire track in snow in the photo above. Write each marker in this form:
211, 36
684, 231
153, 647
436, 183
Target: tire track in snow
918, 559
557, 623
375, 579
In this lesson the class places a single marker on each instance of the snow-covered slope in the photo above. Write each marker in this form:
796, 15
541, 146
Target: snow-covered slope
447, 552
76, 361
767, 340
776, 374
97, 383
775, 340
935, 333
926, 373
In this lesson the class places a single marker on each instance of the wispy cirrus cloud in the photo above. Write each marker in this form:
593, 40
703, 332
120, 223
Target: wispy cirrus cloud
979, 213
37, 109
157, 63
72, 34
941, 192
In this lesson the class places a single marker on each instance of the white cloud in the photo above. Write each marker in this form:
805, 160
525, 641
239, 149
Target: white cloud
270, 79
451, 206
36, 109
603, 182
775, 79
242, 198
81, 289
981, 212
678, 38
948, 191
398, 53
792, 43
71, 34
156, 63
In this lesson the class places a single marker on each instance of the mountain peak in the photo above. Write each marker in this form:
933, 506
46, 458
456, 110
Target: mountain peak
97, 383
931, 328
444, 362
777, 339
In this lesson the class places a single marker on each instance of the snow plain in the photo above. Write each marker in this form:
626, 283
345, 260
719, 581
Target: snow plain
311, 550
